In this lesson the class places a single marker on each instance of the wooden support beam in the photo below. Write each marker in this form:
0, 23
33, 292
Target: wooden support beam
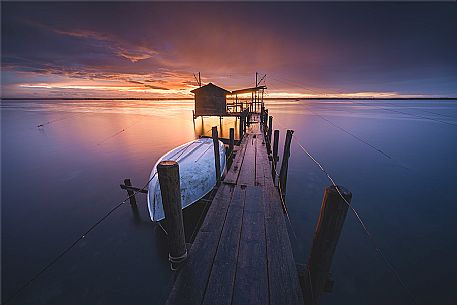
217, 157
232, 141
275, 154
285, 163
130, 193
168, 172
328, 229
241, 126
270, 126
132, 188
246, 118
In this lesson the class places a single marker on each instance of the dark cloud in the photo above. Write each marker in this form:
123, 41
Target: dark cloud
348, 47
156, 87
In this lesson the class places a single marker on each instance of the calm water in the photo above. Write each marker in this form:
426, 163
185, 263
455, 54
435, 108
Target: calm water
399, 159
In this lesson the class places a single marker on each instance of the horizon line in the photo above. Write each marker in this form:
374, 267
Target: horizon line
265, 98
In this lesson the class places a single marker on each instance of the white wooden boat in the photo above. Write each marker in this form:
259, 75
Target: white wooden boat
196, 170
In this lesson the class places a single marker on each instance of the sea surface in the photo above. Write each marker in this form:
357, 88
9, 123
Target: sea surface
62, 163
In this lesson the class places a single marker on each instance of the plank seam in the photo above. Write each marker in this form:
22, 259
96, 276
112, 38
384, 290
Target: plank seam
218, 242
239, 244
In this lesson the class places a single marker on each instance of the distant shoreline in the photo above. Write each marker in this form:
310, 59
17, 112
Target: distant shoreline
190, 98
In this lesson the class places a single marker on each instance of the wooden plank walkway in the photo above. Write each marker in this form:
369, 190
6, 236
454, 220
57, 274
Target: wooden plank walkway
242, 253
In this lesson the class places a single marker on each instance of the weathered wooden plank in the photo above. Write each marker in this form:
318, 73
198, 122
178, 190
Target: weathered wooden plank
242, 254
283, 277
251, 281
216, 213
190, 284
261, 161
232, 176
220, 286
247, 172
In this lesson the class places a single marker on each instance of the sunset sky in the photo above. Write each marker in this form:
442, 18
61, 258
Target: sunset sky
148, 49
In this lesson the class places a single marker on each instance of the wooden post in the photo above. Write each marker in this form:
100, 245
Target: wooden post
232, 141
270, 130
130, 193
285, 163
262, 111
275, 154
246, 118
328, 229
241, 125
236, 102
170, 190
217, 157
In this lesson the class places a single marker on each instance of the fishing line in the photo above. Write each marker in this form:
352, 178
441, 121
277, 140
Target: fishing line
155, 188
57, 120
71, 246
284, 207
410, 114
119, 132
392, 110
423, 110
351, 134
361, 222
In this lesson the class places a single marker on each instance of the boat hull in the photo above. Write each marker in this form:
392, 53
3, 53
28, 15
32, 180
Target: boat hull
197, 174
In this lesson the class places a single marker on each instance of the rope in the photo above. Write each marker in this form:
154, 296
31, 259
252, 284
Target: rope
368, 233
361, 222
118, 133
71, 246
410, 114
351, 134
310, 284
57, 120
423, 110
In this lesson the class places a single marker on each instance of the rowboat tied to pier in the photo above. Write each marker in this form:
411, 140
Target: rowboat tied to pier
197, 174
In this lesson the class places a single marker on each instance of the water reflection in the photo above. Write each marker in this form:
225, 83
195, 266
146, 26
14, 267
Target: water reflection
203, 126
58, 179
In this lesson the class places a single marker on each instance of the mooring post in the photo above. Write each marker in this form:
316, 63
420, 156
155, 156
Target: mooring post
285, 163
265, 120
231, 142
246, 118
262, 111
331, 219
241, 126
170, 190
270, 126
275, 154
217, 157
130, 193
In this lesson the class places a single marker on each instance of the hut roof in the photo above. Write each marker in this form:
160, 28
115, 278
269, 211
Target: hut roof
248, 90
210, 86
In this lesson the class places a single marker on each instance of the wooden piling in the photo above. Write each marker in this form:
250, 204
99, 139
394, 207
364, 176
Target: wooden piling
130, 193
168, 172
246, 118
270, 126
231, 141
331, 219
285, 163
265, 119
217, 157
275, 154
241, 127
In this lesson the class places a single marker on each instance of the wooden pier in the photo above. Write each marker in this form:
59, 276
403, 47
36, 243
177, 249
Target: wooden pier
242, 252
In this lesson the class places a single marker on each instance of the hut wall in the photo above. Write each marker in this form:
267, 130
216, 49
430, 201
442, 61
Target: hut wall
210, 102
